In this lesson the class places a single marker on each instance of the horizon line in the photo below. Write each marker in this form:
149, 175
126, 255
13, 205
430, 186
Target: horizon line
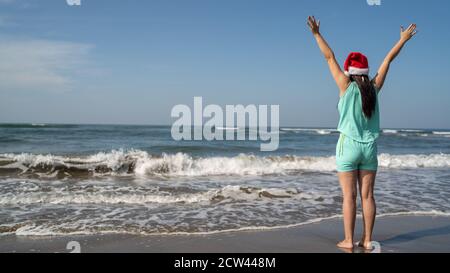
169, 125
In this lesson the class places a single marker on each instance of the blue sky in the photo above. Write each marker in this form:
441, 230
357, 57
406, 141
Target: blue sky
130, 62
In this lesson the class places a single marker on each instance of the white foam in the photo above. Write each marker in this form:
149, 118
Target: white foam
34, 230
318, 131
105, 195
414, 161
185, 165
412, 131
327, 131
180, 164
297, 129
227, 128
99, 198
390, 131
440, 133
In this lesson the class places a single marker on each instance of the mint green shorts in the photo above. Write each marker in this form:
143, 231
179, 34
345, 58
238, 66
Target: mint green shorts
352, 155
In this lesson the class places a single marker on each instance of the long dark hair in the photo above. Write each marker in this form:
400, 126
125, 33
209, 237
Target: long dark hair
368, 94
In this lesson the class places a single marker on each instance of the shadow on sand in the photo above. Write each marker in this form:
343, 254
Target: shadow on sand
412, 236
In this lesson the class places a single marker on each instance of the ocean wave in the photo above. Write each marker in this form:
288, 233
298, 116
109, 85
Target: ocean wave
390, 131
414, 161
296, 129
36, 125
8, 140
130, 196
403, 132
32, 229
407, 132
141, 163
441, 133
317, 131
227, 128
413, 131
324, 132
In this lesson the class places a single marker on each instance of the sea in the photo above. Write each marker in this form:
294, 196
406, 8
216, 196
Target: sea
58, 180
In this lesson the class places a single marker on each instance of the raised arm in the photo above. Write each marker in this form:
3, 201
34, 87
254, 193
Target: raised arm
405, 36
341, 79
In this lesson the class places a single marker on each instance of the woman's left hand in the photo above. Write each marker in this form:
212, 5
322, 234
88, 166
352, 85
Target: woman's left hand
406, 35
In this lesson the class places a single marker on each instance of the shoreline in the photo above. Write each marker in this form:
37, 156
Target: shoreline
396, 234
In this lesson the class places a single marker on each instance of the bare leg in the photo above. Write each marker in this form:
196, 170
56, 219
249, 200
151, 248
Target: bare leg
348, 181
366, 181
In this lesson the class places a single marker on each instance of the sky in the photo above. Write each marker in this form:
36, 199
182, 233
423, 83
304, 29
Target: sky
131, 62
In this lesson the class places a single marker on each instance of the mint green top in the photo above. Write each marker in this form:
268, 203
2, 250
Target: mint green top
352, 122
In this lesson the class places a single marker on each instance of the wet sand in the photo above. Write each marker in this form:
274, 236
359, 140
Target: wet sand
396, 234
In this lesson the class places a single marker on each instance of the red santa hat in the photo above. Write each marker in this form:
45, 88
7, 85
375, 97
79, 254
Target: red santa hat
356, 64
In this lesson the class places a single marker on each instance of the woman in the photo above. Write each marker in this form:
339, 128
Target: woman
359, 125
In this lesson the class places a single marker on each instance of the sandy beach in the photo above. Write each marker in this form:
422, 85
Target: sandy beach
396, 234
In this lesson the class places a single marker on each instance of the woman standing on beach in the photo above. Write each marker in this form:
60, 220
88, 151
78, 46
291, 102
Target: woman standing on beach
359, 125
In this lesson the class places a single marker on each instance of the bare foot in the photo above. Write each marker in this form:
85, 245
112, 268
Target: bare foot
365, 245
346, 244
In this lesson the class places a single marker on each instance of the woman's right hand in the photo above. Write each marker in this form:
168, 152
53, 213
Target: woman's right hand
314, 25
406, 35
